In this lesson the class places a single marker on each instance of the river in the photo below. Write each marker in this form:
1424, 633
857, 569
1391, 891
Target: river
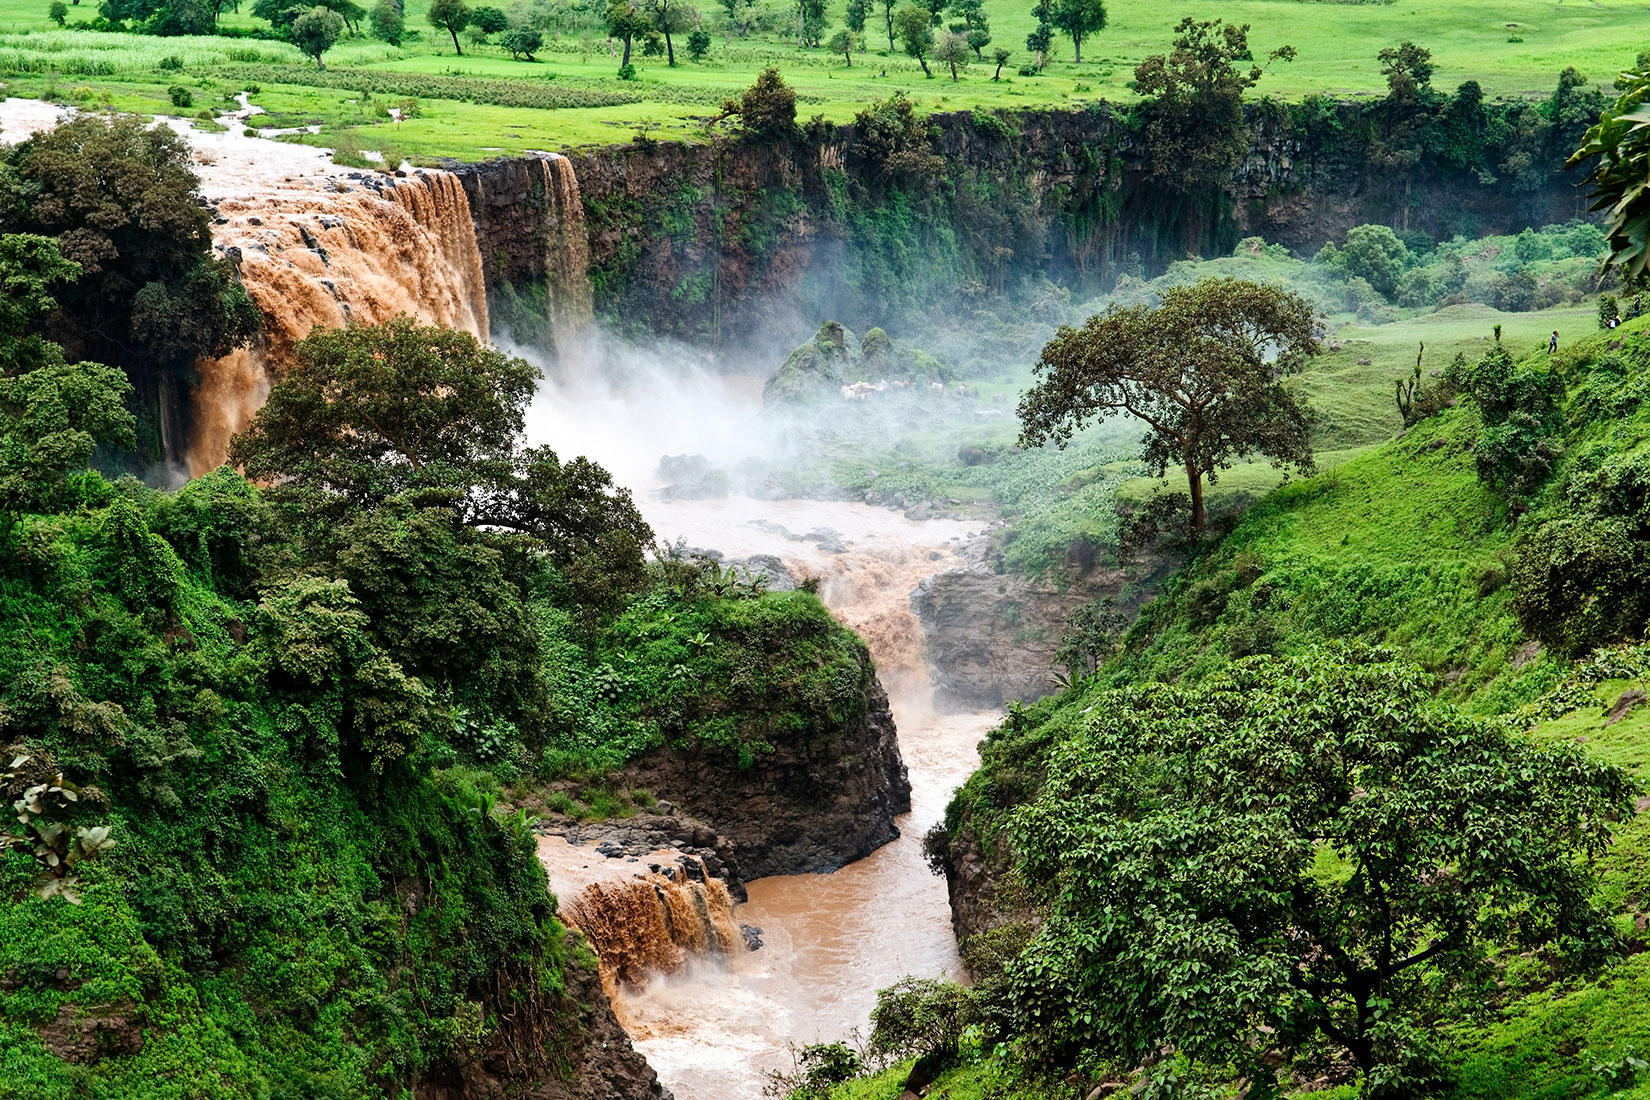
715, 1030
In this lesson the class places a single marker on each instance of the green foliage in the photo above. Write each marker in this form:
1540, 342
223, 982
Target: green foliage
1295, 846
451, 16
1519, 407
1204, 371
388, 22
1375, 253
121, 200
698, 43
316, 31
767, 109
1621, 144
920, 1018
1192, 103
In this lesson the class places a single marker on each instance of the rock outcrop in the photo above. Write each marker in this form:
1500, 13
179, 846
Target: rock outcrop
809, 805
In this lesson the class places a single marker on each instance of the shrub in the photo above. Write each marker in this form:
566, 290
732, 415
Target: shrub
522, 44
180, 96
1579, 583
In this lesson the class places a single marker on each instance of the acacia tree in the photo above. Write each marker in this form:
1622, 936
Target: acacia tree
1292, 848
1193, 106
450, 15
1204, 371
1078, 19
1621, 144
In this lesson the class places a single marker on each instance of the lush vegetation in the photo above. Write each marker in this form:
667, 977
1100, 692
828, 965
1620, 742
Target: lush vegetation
264, 740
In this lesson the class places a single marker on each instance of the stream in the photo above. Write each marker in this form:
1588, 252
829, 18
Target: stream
715, 1030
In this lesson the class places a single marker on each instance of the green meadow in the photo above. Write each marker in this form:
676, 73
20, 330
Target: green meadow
1512, 48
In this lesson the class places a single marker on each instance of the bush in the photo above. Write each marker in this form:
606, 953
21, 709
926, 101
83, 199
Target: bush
698, 43
1579, 582
1375, 253
522, 44
180, 96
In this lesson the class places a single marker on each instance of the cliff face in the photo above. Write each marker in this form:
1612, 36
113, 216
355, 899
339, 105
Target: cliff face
810, 805
573, 1049
734, 242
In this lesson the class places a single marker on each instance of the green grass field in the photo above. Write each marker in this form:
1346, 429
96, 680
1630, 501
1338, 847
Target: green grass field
1337, 44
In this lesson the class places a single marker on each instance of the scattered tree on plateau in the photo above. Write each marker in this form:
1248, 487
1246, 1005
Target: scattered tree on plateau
451, 16
1621, 178
316, 31
916, 34
1193, 109
1295, 849
1204, 372
1078, 19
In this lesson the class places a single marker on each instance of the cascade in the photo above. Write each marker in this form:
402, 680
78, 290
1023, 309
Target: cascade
653, 923
566, 253
347, 252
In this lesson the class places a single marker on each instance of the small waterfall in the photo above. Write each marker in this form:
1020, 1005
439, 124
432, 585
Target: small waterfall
566, 253
653, 923
332, 257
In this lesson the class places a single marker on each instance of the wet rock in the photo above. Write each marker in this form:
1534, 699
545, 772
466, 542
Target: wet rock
827, 539
752, 936
700, 850
777, 577
86, 1034
811, 805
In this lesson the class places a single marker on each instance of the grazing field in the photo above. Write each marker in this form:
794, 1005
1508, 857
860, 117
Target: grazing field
1512, 48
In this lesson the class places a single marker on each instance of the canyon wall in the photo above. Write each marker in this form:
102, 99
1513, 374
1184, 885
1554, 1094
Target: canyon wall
735, 242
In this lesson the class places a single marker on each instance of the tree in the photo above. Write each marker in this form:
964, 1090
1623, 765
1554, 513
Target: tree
1374, 252
1195, 133
1408, 70
522, 44
1621, 145
888, 7
371, 411
388, 23
671, 17
952, 49
316, 31
489, 20
975, 25
52, 413
916, 34
811, 22
1041, 38
767, 109
1000, 57
451, 16
58, 12
1295, 848
740, 15
845, 42
698, 43
122, 201
856, 14
1204, 371
1078, 19
626, 22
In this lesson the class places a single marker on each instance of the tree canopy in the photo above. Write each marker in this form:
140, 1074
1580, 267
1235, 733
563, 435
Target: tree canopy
122, 201
1620, 144
1204, 371
1296, 848
1193, 103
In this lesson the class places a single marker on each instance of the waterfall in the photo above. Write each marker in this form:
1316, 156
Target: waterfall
653, 923
351, 253
566, 253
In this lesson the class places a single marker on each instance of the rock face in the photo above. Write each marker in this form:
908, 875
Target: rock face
589, 1055
808, 806
971, 877
991, 636
698, 843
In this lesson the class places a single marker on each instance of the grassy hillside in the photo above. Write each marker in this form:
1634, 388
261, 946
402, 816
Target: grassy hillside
1513, 49
1406, 546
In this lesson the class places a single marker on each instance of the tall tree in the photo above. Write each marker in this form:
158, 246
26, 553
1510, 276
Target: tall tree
1297, 850
916, 34
975, 25
1621, 178
810, 22
1195, 133
1041, 38
123, 202
451, 16
625, 22
1204, 371
888, 7
670, 17
855, 15
316, 31
1078, 19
